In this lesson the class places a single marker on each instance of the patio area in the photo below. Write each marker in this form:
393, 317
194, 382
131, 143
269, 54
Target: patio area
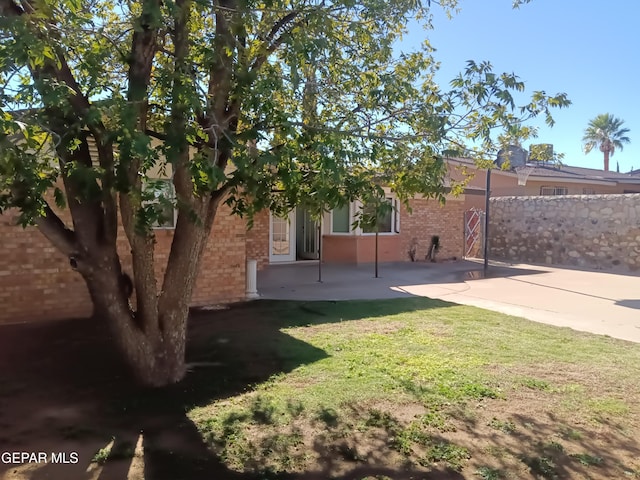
592, 301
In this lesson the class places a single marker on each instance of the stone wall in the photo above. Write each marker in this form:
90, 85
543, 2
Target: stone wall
593, 231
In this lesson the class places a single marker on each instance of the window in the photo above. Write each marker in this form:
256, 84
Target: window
588, 191
553, 190
340, 220
388, 222
160, 203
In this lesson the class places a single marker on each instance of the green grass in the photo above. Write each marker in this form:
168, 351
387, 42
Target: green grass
488, 473
586, 459
439, 358
541, 467
505, 426
116, 450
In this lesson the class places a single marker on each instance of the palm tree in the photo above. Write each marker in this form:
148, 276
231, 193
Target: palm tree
606, 132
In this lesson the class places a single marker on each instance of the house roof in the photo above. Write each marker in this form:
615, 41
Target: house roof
566, 173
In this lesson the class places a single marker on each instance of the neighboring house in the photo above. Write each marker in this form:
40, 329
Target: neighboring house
542, 179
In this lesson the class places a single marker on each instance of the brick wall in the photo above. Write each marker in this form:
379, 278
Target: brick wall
258, 239
430, 218
37, 283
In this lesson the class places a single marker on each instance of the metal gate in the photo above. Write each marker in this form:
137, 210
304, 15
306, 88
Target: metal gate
473, 229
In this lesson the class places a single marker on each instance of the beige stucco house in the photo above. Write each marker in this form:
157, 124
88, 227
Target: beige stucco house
541, 179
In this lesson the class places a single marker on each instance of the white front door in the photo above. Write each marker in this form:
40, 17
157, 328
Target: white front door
282, 238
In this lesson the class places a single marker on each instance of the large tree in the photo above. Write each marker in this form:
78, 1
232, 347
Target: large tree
605, 132
259, 104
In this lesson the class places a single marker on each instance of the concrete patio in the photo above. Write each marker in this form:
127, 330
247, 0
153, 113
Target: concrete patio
599, 302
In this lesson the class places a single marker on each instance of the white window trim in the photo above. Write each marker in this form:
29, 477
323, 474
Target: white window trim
357, 206
395, 218
175, 210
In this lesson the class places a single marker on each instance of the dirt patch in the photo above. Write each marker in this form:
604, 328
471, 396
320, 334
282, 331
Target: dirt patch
64, 391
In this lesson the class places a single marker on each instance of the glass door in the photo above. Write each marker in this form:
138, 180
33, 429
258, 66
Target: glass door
307, 236
282, 242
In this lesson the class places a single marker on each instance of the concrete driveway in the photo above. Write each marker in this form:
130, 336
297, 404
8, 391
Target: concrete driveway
590, 301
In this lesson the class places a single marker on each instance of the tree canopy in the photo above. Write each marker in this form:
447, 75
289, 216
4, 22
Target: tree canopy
256, 103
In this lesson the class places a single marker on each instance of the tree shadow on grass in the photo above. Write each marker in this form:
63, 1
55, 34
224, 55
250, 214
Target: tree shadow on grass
549, 447
70, 373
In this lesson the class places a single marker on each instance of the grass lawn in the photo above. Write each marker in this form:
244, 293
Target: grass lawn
403, 389
419, 388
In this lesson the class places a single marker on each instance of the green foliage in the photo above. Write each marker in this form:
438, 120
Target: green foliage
116, 450
101, 456
449, 453
275, 104
542, 467
506, 426
488, 473
535, 383
586, 459
605, 132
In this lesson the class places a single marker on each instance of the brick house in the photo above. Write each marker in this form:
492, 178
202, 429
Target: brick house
37, 283
275, 240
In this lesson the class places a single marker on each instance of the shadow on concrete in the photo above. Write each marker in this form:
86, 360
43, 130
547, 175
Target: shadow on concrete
635, 304
341, 282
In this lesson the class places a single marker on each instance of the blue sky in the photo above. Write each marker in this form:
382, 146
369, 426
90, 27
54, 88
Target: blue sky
589, 49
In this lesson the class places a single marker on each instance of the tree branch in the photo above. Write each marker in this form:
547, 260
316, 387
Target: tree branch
84, 204
63, 125
190, 235
178, 153
9, 8
57, 69
143, 49
280, 24
56, 232
272, 43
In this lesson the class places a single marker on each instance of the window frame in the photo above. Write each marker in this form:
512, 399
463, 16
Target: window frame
554, 189
172, 191
350, 230
395, 217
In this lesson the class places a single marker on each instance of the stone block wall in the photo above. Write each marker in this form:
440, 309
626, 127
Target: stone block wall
592, 231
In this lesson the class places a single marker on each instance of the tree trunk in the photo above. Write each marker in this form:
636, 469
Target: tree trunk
606, 160
156, 356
